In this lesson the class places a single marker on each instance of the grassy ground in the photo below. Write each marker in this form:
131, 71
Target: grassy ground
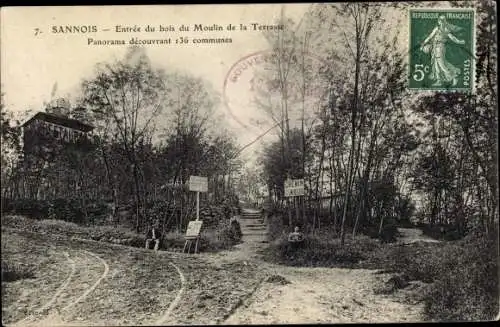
43, 262
223, 237
459, 278
138, 288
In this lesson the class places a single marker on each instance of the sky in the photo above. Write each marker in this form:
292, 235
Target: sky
32, 64
34, 58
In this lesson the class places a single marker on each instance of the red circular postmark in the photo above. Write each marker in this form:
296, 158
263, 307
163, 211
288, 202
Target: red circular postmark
259, 83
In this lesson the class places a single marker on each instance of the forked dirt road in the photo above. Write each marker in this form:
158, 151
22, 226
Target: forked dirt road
322, 295
87, 283
91, 283
80, 282
311, 295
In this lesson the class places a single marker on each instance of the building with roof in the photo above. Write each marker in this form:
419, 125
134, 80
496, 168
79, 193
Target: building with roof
55, 147
49, 129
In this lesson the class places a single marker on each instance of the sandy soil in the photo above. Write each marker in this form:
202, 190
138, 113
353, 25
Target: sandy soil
323, 295
412, 235
91, 283
138, 287
315, 295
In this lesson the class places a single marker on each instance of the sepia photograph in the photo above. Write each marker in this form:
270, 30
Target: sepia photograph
239, 164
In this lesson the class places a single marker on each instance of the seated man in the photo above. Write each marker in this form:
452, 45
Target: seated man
153, 234
295, 236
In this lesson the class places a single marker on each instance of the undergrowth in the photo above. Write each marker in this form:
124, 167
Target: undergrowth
221, 237
13, 271
461, 276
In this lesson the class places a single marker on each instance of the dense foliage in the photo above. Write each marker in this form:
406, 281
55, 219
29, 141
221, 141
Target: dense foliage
375, 157
368, 150
152, 131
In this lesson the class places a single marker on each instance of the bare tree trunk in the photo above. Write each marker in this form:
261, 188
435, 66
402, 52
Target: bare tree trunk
111, 186
290, 222
137, 197
350, 167
330, 209
297, 210
364, 184
319, 180
381, 225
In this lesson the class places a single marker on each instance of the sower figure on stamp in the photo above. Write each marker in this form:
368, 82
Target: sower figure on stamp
441, 69
153, 235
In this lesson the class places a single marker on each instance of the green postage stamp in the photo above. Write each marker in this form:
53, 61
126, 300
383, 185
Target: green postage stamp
442, 48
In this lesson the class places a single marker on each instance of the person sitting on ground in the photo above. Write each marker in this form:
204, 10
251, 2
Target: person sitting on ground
295, 236
154, 235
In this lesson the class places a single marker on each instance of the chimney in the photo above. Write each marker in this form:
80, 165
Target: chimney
60, 107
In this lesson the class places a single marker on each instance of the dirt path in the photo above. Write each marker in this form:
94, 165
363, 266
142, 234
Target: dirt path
61, 288
230, 287
81, 281
312, 295
164, 318
322, 295
141, 287
412, 235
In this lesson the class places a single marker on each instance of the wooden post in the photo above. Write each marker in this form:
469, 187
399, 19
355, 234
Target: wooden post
196, 246
197, 205
297, 211
304, 218
289, 211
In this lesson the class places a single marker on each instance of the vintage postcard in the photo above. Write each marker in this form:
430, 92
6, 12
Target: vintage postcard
439, 60
249, 164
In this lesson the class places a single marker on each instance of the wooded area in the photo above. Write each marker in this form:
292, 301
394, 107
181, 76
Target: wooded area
372, 153
152, 130
378, 152
374, 156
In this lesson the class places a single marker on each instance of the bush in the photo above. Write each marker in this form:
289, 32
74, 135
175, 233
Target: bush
389, 232
466, 288
223, 237
35, 209
462, 275
421, 261
12, 272
212, 215
443, 232
173, 240
112, 235
97, 233
162, 210
61, 209
236, 232
320, 251
276, 228
15, 221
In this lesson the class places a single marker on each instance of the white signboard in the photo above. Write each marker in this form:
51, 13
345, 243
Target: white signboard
294, 187
194, 228
198, 184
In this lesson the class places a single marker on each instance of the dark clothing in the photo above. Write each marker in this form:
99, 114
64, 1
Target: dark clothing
295, 237
157, 244
157, 234
153, 237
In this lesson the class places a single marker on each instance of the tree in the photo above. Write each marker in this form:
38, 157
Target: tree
11, 148
366, 90
131, 93
471, 120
